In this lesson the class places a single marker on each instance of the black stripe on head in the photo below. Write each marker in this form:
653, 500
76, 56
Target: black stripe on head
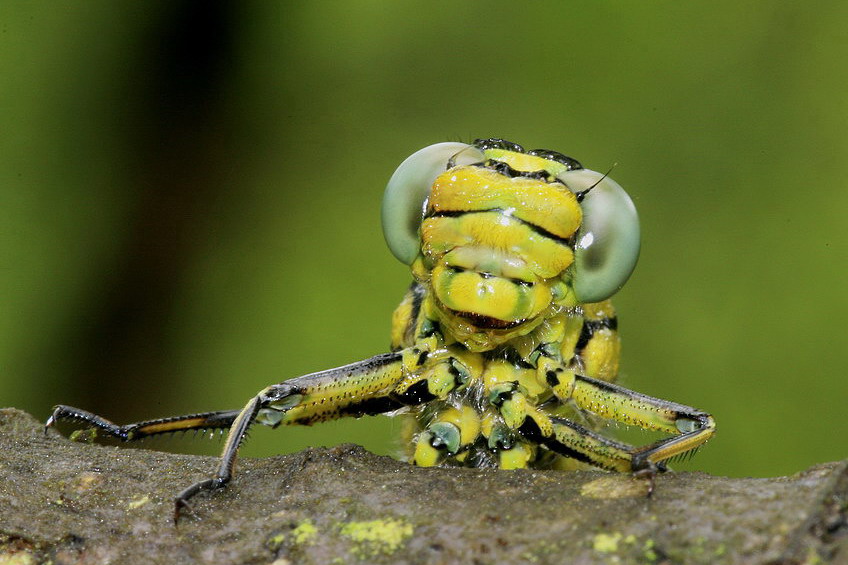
570, 163
568, 242
503, 169
497, 143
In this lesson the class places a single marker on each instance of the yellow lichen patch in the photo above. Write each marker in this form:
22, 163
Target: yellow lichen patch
87, 435
16, 551
616, 486
376, 537
648, 550
82, 485
608, 543
18, 559
276, 541
138, 502
85, 482
304, 532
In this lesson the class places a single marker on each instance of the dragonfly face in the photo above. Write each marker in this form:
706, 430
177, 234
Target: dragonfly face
504, 239
505, 347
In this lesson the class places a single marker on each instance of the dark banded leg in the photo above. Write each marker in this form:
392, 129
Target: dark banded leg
581, 444
139, 430
365, 388
235, 438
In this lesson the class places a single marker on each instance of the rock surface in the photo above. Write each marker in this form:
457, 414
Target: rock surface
68, 503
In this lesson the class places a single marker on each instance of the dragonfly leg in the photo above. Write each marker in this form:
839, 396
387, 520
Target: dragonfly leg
691, 427
358, 389
450, 433
428, 377
139, 430
237, 434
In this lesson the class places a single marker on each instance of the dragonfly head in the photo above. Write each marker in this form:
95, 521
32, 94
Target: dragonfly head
499, 234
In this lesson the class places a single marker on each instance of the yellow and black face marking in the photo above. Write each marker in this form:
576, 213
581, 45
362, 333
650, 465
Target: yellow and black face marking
505, 348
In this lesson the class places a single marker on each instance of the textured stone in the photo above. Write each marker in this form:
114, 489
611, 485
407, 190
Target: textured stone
76, 503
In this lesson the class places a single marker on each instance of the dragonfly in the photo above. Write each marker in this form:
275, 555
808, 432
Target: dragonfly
504, 349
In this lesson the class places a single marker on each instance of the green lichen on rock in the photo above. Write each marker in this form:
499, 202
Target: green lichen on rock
276, 541
377, 536
19, 558
616, 486
16, 551
138, 502
609, 543
648, 551
304, 533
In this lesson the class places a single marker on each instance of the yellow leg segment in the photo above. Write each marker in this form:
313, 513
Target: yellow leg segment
518, 456
451, 432
352, 390
629, 407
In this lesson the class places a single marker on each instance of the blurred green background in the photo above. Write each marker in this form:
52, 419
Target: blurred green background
190, 193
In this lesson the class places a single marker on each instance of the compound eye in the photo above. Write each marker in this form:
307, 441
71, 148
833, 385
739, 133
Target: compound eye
608, 239
406, 194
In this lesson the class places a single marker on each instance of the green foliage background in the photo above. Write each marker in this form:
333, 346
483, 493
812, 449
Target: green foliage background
190, 191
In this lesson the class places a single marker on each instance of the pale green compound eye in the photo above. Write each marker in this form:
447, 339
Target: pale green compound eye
406, 194
607, 245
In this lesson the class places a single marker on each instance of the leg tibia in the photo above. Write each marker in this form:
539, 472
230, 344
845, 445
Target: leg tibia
140, 430
629, 407
692, 427
623, 405
357, 389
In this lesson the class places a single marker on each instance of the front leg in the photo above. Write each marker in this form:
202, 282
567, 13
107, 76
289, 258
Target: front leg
139, 430
692, 427
362, 388
357, 389
236, 436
